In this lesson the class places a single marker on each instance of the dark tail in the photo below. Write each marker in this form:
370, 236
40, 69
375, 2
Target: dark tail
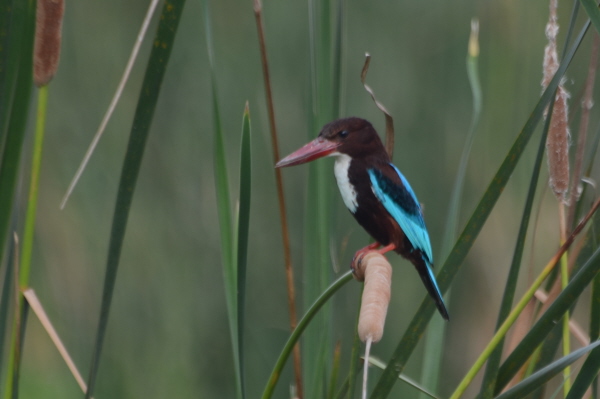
429, 281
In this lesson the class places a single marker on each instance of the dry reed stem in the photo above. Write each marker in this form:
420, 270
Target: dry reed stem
389, 121
39, 311
557, 287
113, 102
574, 327
557, 144
46, 53
366, 367
16, 355
289, 271
520, 330
586, 105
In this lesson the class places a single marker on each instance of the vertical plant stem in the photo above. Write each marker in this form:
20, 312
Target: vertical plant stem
25, 258
243, 224
27, 242
15, 350
564, 273
33, 188
586, 106
289, 270
318, 340
337, 354
17, 28
595, 322
23, 28
564, 279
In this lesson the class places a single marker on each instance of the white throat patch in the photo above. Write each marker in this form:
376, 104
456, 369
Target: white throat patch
342, 163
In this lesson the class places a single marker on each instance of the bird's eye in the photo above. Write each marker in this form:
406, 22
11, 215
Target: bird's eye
343, 133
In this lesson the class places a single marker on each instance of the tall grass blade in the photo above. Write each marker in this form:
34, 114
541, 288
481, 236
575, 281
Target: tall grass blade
242, 236
226, 226
155, 71
547, 321
594, 328
19, 70
10, 31
540, 377
24, 260
337, 91
302, 324
7, 277
434, 340
36, 163
493, 364
417, 326
586, 376
317, 265
22, 27
337, 353
591, 8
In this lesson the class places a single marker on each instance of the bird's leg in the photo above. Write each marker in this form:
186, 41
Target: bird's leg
387, 248
361, 253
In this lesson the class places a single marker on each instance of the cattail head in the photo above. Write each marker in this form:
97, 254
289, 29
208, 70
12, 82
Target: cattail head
377, 273
46, 53
557, 143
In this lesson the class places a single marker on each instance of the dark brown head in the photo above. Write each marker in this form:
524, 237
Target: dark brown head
355, 137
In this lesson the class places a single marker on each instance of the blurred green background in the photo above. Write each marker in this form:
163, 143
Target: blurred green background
168, 334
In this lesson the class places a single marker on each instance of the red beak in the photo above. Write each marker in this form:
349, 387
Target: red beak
317, 148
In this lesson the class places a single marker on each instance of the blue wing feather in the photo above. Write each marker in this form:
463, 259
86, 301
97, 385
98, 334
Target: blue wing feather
403, 206
401, 203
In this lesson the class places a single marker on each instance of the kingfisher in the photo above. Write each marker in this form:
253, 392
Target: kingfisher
376, 193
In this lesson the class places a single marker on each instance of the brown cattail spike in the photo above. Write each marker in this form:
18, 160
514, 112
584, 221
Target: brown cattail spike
376, 296
46, 51
557, 144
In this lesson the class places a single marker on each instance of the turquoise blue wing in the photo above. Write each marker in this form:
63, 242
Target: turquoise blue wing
400, 201
402, 204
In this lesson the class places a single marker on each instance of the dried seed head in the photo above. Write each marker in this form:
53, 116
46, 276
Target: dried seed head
376, 296
550, 54
46, 51
557, 143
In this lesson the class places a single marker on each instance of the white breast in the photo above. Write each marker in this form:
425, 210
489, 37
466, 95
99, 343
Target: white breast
342, 163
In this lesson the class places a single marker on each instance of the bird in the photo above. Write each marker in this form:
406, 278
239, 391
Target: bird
376, 193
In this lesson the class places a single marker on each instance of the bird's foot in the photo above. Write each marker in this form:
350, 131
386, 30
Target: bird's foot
360, 254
